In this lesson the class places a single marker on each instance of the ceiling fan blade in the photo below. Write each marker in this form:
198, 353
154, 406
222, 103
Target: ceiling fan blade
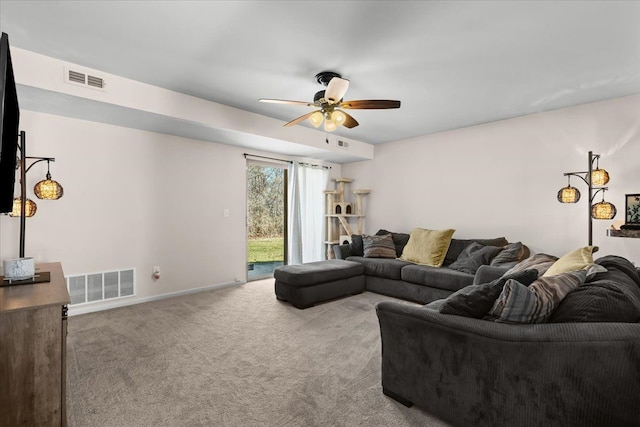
284, 101
299, 119
336, 89
370, 104
350, 122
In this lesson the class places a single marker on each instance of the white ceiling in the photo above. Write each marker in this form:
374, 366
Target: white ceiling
451, 63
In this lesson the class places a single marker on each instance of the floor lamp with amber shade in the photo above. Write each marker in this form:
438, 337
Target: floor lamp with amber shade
595, 178
47, 189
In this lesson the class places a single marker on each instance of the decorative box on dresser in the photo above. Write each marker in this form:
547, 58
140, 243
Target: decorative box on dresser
33, 334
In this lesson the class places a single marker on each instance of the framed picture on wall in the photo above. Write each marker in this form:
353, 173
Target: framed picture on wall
632, 209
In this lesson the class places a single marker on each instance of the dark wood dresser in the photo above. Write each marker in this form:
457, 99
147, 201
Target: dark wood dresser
33, 336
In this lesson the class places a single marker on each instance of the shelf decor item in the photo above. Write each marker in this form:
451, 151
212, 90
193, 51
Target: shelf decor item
631, 212
19, 269
595, 178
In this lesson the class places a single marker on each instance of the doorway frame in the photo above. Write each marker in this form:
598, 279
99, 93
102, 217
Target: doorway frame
272, 163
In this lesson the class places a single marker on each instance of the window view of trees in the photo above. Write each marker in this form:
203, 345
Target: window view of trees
266, 214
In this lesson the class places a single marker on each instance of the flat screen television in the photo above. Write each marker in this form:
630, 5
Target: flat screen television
8, 127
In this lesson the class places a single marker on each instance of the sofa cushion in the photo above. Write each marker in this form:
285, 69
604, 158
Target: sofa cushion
476, 300
436, 277
512, 252
427, 247
457, 246
386, 268
378, 246
399, 240
573, 261
540, 262
473, 256
534, 304
612, 296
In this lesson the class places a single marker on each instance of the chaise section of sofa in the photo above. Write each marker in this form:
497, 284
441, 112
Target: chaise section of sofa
472, 372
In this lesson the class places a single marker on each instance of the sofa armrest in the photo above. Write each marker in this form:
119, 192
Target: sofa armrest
341, 251
489, 273
475, 372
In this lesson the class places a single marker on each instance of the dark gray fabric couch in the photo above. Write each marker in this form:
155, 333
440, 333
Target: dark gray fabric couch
413, 282
473, 372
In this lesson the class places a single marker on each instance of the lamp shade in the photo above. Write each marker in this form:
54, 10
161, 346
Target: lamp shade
316, 118
568, 194
30, 208
330, 125
338, 117
599, 177
603, 210
48, 189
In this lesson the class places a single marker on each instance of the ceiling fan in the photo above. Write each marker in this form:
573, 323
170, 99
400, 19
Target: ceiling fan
330, 105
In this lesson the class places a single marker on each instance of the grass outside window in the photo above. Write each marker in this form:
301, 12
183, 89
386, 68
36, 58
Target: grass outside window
266, 250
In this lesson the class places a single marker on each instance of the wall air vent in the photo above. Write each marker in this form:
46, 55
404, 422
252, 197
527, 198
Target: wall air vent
79, 77
95, 82
343, 144
76, 77
102, 286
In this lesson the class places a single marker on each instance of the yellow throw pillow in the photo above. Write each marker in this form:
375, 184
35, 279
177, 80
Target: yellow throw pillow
576, 260
427, 247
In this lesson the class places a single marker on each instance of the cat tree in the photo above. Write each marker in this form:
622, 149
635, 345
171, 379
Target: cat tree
339, 213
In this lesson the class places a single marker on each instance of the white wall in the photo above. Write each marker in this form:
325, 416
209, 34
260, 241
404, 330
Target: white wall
502, 178
135, 199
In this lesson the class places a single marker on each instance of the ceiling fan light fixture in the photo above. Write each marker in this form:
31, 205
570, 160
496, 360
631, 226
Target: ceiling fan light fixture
338, 117
330, 125
316, 119
329, 104
336, 89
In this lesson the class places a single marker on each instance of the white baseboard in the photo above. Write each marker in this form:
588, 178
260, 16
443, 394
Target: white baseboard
123, 302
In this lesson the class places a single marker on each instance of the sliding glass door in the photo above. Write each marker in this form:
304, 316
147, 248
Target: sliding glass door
266, 218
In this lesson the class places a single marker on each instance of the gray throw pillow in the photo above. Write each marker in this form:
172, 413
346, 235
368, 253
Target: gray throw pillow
611, 296
473, 256
476, 300
356, 247
513, 252
457, 246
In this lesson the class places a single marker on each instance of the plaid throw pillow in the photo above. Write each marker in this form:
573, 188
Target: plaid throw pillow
540, 262
534, 304
379, 246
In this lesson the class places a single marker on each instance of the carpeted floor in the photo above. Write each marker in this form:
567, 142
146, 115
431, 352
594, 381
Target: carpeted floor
231, 357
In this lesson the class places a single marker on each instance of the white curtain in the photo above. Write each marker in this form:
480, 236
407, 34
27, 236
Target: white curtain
306, 213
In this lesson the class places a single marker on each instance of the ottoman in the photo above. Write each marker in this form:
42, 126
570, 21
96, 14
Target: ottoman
304, 285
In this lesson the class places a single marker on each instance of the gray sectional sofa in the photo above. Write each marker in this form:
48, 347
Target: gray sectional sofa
582, 368
413, 282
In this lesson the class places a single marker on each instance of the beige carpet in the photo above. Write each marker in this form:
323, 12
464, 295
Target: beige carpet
231, 357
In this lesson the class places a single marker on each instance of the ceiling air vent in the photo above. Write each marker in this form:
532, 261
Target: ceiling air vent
95, 82
80, 78
76, 77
